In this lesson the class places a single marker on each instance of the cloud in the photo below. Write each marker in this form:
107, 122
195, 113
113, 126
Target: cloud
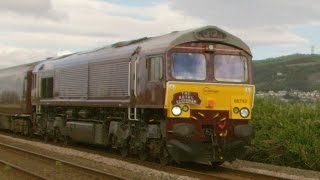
36, 8
50, 41
247, 13
88, 24
271, 36
138, 3
259, 23
41, 28
11, 56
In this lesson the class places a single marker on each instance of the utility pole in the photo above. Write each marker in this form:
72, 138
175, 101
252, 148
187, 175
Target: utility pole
312, 49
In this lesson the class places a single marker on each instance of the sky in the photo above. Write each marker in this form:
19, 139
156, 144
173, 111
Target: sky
33, 30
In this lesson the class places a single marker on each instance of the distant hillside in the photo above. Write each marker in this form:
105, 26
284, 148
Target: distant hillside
298, 71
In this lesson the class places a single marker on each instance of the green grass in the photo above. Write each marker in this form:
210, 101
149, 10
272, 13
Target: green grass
287, 134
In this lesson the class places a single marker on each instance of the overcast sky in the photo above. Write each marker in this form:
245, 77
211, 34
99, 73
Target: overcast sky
32, 30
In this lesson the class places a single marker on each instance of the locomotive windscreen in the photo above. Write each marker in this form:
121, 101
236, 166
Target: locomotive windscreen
230, 68
189, 66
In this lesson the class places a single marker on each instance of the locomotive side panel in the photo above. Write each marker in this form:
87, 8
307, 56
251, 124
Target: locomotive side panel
151, 81
108, 79
95, 78
72, 82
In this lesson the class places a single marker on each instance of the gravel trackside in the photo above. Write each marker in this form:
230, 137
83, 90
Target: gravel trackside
121, 168
277, 171
135, 171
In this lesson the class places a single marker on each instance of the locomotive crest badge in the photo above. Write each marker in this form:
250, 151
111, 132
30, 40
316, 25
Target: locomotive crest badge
186, 97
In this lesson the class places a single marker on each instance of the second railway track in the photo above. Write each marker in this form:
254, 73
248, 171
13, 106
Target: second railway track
45, 167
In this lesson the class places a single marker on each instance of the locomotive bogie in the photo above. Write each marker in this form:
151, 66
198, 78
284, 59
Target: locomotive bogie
21, 124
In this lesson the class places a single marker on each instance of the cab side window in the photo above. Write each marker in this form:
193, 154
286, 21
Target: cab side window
47, 87
155, 68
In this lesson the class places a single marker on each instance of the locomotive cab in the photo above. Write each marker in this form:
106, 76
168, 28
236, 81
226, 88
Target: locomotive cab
209, 99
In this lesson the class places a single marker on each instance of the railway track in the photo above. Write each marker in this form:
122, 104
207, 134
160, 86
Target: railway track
45, 167
11, 171
191, 170
221, 173
202, 171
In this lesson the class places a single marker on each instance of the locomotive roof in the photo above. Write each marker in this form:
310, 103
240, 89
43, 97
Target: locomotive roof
152, 45
19, 69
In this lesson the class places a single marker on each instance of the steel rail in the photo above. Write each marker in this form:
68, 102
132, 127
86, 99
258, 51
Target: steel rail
225, 173
21, 169
202, 172
106, 175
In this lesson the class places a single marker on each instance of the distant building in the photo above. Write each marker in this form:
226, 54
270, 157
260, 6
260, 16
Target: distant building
292, 94
279, 74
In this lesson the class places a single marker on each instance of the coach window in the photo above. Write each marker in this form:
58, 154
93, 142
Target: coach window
47, 87
155, 66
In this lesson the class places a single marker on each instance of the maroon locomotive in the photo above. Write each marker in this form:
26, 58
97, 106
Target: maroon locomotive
183, 96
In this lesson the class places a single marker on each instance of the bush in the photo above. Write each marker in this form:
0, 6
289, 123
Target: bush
287, 134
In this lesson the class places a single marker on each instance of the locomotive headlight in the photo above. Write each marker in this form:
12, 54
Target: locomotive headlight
185, 108
244, 112
176, 110
236, 110
210, 47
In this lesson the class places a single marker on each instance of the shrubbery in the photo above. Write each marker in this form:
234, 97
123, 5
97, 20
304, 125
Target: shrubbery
287, 134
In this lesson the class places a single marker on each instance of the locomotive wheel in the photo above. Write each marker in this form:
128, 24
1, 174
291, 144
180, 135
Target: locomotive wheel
66, 140
215, 164
143, 154
164, 158
46, 138
55, 140
57, 135
124, 150
113, 145
108, 143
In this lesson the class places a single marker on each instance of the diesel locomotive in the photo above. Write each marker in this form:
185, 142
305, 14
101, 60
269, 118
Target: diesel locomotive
183, 96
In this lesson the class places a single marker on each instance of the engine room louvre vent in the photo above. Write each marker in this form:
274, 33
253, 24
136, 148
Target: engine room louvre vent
210, 34
74, 82
108, 79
